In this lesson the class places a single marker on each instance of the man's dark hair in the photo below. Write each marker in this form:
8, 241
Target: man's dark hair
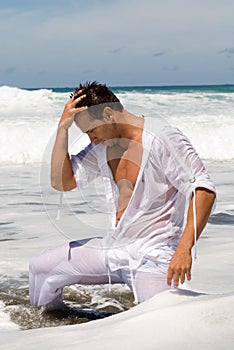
98, 96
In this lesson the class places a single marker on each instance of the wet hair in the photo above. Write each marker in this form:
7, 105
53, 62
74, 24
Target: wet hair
98, 96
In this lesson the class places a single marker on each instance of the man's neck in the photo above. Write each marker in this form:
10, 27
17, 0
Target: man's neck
129, 127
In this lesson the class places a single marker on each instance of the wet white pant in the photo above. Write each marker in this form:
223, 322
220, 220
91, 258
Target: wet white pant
84, 262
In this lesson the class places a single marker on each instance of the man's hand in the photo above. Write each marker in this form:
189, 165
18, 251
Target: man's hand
70, 111
180, 267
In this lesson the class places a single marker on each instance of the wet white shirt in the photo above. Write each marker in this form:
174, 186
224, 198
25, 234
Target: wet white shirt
153, 220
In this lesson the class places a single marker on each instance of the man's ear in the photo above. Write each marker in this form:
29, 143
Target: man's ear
107, 115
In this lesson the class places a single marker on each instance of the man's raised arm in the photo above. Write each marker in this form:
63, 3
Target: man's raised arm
62, 177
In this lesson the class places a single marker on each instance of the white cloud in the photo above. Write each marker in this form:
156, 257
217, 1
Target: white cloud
111, 37
228, 50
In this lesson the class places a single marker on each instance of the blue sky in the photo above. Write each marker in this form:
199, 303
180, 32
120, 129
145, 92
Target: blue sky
58, 43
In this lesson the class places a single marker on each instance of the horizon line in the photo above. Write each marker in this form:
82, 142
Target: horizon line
128, 86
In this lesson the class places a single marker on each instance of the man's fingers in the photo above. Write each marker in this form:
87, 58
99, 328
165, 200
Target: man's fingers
169, 276
179, 268
174, 274
182, 276
77, 99
79, 92
80, 97
188, 275
177, 276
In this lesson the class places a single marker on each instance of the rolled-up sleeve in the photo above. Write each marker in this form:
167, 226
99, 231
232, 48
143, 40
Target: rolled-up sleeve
182, 165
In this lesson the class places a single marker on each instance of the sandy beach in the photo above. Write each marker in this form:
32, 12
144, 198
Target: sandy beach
200, 315
169, 321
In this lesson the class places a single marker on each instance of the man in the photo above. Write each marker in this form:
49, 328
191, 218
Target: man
153, 179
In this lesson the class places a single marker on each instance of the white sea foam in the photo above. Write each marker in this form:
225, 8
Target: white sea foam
5, 322
28, 120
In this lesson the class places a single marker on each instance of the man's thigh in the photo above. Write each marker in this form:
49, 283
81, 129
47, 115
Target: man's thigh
80, 261
149, 279
88, 259
150, 283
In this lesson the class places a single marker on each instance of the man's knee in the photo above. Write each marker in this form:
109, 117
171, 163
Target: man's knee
33, 265
37, 264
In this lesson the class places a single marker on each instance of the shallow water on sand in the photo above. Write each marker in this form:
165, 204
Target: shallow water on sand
85, 304
28, 225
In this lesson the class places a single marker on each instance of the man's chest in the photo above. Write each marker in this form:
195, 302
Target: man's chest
125, 163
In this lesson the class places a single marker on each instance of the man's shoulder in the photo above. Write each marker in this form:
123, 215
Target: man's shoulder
159, 127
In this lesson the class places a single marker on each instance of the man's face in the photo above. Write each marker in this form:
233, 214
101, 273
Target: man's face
97, 130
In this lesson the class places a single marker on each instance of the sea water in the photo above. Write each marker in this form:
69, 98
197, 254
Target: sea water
29, 207
28, 118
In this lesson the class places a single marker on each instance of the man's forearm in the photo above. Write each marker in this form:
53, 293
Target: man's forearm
181, 262
204, 203
62, 177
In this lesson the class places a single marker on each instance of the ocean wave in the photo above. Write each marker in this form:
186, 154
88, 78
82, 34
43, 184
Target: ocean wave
28, 120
